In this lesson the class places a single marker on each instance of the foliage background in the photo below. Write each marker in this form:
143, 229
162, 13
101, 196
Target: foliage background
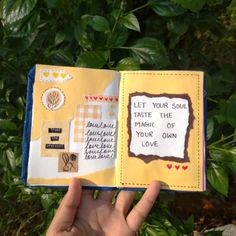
122, 35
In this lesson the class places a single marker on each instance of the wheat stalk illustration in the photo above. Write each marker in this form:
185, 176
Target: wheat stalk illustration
53, 100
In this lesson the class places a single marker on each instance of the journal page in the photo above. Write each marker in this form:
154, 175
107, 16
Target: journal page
74, 126
161, 130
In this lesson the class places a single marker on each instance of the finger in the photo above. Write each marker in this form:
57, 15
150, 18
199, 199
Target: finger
66, 212
106, 195
141, 210
124, 201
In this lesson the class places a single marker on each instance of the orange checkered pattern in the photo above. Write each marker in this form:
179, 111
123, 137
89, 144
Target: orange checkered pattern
84, 112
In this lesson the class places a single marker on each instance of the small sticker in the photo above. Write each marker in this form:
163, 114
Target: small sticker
54, 138
53, 99
54, 130
52, 75
101, 98
68, 162
52, 144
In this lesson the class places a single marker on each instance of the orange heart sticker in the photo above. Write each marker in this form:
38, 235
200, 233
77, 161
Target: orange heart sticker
55, 75
46, 74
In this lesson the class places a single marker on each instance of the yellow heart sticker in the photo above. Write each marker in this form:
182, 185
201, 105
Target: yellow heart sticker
46, 74
55, 75
63, 75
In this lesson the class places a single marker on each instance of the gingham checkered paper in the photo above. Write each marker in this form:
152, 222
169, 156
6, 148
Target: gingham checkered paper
84, 112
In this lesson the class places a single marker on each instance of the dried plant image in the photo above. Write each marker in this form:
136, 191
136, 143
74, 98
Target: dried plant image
53, 99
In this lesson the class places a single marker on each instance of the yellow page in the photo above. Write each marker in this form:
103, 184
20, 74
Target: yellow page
161, 130
73, 126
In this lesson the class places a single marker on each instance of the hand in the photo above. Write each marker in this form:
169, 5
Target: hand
79, 214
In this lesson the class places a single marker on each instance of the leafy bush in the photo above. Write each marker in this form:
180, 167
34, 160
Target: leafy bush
123, 35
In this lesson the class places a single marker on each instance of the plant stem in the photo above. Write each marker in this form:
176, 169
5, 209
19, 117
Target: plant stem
141, 7
221, 140
27, 221
212, 100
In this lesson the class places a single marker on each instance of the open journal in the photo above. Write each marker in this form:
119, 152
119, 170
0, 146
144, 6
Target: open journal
114, 129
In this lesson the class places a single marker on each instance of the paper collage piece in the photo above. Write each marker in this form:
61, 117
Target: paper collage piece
84, 112
68, 162
53, 99
53, 75
100, 139
156, 122
54, 138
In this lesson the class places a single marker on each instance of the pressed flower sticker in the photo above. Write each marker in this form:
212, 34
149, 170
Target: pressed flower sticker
53, 99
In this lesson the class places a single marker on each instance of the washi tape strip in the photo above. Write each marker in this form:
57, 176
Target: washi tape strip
100, 98
84, 112
53, 75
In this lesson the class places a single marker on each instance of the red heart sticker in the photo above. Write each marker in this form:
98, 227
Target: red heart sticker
169, 166
177, 167
184, 167
95, 98
100, 98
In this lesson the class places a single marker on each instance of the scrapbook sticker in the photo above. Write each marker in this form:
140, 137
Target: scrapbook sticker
54, 138
101, 98
53, 99
54, 75
159, 126
68, 162
84, 112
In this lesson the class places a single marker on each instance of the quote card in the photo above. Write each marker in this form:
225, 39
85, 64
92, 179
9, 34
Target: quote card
159, 126
54, 138
100, 139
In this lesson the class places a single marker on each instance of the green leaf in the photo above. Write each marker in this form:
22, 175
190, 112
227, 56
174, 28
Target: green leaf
231, 160
166, 8
99, 23
210, 128
7, 125
22, 44
156, 231
217, 154
11, 159
194, 6
61, 57
47, 200
15, 10
150, 51
218, 177
24, 27
51, 4
130, 21
214, 2
119, 36
13, 191
128, 63
177, 27
92, 59
231, 112
189, 224
60, 37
